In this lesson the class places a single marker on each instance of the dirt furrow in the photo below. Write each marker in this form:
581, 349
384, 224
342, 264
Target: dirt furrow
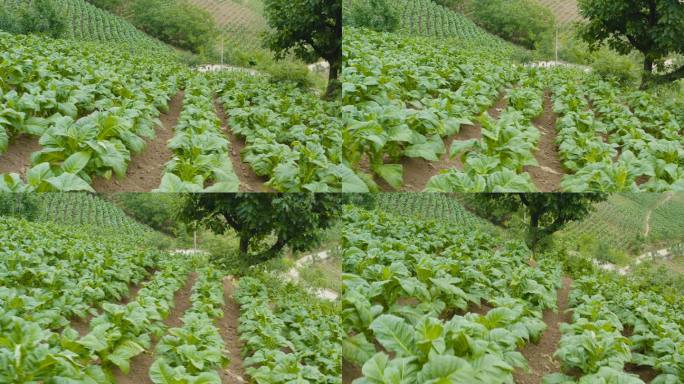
140, 365
17, 159
547, 176
417, 171
228, 327
249, 181
540, 356
146, 169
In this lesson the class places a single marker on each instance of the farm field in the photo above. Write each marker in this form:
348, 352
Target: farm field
455, 111
625, 217
240, 21
566, 11
438, 301
87, 22
110, 109
86, 299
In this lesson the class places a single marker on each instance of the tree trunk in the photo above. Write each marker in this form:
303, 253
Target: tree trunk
244, 245
334, 85
666, 78
269, 253
533, 229
648, 73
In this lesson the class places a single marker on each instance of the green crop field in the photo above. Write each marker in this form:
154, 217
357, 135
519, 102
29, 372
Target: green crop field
85, 298
621, 221
241, 20
437, 301
430, 206
462, 117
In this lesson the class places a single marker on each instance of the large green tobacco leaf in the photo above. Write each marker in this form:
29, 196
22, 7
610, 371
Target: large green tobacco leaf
394, 334
123, 353
69, 182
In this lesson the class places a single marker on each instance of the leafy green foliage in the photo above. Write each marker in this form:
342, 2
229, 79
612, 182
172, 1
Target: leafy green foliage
291, 136
201, 161
407, 281
650, 27
603, 305
377, 15
289, 335
266, 223
193, 352
179, 23
39, 16
523, 22
91, 106
308, 28
53, 274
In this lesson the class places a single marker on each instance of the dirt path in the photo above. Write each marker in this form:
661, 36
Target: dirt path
17, 159
140, 365
249, 181
547, 176
417, 171
647, 225
146, 169
540, 355
228, 325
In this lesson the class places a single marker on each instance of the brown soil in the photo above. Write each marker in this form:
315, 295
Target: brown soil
140, 365
228, 325
417, 171
249, 181
540, 355
17, 159
146, 169
645, 373
547, 176
350, 372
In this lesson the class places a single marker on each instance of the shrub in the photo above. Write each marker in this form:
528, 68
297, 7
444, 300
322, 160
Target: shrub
523, 22
178, 23
24, 205
38, 16
374, 14
610, 65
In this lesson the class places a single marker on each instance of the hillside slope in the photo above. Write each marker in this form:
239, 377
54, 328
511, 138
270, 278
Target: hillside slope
87, 22
566, 11
427, 18
625, 218
241, 20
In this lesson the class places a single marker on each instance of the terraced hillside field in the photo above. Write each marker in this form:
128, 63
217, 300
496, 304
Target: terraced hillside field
566, 11
427, 18
88, 22
241, 20
623, 218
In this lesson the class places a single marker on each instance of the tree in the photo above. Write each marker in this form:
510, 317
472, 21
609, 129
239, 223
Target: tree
652, 27
310, 29
265, 222
547, 213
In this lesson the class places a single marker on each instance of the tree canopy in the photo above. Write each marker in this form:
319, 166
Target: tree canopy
653, 27
310, 29
546, 213
265, 222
